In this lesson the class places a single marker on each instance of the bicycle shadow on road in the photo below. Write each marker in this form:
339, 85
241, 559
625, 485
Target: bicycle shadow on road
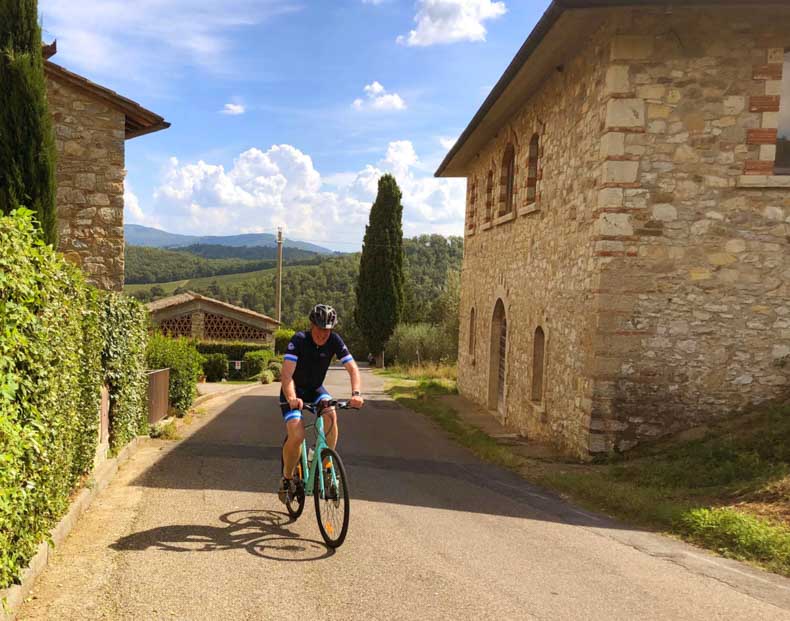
260, 532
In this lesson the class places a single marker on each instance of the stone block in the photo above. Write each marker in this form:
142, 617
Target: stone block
632, 47
617, 79
614, 225
773, 87
610, 198
612, 144
652, 91
85, 181
664, 213
770, 120
620, 172
99, 199
625, 113
734, 104
73, 148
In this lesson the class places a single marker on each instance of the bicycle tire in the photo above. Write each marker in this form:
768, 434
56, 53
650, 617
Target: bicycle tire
333, 534
295, 505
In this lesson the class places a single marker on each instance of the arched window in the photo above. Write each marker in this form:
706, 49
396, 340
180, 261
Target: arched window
489, 195
532, 169
508, 181
472, 216
538, 360
472, 335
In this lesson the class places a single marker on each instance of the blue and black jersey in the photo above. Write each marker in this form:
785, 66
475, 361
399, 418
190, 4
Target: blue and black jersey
312, 361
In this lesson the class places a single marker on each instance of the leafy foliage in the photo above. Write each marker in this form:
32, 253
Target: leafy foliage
276, 368
185, 364
234, 350
379, 291
266, 377
125, 323
420, 342
281, 339
27, 145
257, 361
50, 372
215, 367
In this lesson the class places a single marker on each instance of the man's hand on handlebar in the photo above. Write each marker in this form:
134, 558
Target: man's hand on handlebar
296, 404
356, 402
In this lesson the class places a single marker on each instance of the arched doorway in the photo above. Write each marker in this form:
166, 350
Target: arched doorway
497, 361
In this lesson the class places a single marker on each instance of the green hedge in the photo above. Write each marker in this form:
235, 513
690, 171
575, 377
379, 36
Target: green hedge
215, 367
234, 350
276, 367
281, 339
185, 364
256, 361
266, 377
125, 323
50, 373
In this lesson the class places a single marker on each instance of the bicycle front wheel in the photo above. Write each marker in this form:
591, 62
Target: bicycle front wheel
332, 506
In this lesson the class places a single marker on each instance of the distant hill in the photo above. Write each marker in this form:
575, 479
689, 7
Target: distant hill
137, 235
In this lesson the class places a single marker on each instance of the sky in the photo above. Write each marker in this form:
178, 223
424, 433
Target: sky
286, 112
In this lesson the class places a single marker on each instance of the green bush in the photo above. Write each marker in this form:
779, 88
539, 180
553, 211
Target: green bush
420, 342
281, 339
185, 364
215, 367
276, 367
266, 377
125, 332
256, 361
234, 350
50, 373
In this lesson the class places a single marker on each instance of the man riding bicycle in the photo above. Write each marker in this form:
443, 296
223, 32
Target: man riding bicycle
306, 363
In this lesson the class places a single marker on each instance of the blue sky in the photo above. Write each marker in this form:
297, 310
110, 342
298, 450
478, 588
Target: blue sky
287, 111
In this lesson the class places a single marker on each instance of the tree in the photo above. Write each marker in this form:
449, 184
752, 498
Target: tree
27, 145
380, 285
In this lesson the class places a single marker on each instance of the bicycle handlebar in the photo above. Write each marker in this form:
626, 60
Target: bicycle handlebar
341, 405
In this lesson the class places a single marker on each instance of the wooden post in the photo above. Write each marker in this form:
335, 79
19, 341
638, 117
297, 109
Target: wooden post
279, 272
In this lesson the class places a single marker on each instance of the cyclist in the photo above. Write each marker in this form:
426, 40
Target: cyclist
307, 360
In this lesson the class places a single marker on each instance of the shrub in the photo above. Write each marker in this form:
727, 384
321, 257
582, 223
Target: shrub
267, 377
281, 339
125, 333
276, 367
215, 367
50, 373
415, 342
256, 361
234, 350
184, 362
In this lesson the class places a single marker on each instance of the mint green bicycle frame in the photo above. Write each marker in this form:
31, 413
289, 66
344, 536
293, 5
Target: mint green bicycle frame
320, 445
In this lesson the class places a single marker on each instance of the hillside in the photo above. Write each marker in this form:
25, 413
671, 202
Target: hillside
427, 260
137, 235
156, 265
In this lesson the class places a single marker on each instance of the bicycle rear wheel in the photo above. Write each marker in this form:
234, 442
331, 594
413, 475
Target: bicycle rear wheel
332, 508
295, 503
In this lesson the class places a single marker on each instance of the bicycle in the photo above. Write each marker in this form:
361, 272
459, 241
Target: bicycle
330, 490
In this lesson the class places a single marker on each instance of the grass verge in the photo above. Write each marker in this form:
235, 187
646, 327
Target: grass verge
726, 490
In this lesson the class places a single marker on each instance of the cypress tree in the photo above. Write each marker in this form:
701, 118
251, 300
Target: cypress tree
380, 286
27, 146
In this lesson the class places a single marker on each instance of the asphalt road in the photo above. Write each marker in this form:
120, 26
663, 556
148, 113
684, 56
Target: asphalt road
194, 530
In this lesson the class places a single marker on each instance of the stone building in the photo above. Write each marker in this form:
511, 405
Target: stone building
627, 245
196, 316
91, 124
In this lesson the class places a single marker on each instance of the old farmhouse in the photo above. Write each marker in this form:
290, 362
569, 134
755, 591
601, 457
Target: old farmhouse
206, 319
627, 245
91, 124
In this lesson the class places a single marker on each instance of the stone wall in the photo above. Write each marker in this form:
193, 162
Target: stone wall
655, 258
89, 137
691, 243
537, 258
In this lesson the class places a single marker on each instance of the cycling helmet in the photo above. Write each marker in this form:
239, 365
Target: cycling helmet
323, 316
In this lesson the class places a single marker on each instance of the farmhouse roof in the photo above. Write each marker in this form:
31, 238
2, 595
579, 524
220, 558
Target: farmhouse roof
545, 50
139, 120
191, 296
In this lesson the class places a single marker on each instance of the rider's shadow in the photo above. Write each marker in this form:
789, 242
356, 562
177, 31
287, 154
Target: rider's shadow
260, 532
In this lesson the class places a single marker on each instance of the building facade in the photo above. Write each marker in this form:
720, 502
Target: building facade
627, 247
91, 124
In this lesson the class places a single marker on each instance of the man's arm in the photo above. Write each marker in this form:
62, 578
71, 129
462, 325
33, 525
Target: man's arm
287, 382
356, 384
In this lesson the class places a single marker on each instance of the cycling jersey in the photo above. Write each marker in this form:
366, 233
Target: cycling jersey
312, 361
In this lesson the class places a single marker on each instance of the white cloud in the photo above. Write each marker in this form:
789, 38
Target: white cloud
133, 213
151, 39
233, 109
447, 142
379, 99
280, 186
450, 21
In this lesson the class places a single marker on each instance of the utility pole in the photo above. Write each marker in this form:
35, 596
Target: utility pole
279, 272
